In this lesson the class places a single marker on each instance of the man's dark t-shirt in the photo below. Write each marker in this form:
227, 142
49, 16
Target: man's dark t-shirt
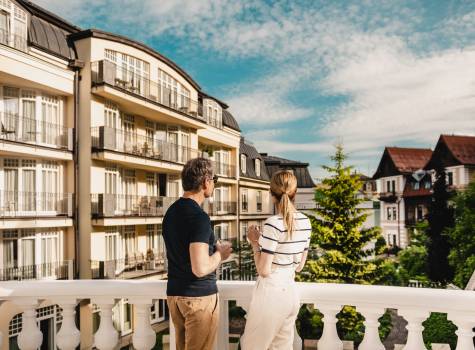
184, 223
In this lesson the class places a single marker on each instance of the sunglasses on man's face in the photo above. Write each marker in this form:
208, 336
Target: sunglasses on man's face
215, 179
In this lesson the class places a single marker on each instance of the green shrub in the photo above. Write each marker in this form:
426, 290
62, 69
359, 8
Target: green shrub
437, 329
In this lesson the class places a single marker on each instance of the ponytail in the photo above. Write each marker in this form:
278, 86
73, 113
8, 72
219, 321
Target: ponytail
287, 210
283, 187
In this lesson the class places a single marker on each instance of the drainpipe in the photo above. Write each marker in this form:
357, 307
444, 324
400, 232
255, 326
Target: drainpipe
239, 228
76, 65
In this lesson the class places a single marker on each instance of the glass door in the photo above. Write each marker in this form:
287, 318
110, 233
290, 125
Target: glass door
28, 258
129, 190
10, 117
29, 191
4, 27
50, 123
10, 195
49, 256
28, 120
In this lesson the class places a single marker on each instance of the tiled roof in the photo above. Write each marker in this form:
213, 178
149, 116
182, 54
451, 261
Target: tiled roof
408, 160
230, 121
461, 147
274, 164
251, 155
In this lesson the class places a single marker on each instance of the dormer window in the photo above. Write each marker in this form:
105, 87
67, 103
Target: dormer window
258, 167
243, 163
13, 27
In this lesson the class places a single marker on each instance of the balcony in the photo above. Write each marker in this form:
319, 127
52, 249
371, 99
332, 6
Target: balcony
216, 208
137, 265
118, 205
61, 270
109, 139
107, 72
21, 129
16, 41
413, 304
15, 204
390, 197
224, 169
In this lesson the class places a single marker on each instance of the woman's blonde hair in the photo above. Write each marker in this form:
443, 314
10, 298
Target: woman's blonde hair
283, 187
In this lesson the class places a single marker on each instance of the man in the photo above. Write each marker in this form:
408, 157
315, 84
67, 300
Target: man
193, 258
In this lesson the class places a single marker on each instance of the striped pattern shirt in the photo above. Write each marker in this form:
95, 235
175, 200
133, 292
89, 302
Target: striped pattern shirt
275, 240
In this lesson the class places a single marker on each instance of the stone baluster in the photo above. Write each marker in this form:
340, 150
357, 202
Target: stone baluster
172, 335
1, 338
465, 324
106, 337
30, 337
414, 319
329, 339
222, 342
144, 337
371, 340
298, 343
68, 337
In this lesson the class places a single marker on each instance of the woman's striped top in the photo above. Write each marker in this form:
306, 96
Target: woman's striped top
275, 240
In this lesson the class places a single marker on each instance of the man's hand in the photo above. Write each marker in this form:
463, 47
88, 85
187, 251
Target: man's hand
224, 249
253, 234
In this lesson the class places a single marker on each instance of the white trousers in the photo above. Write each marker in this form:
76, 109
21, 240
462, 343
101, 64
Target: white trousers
272, 313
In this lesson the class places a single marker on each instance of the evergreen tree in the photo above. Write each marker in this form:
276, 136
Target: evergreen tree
462, 254
337, 229
440, 217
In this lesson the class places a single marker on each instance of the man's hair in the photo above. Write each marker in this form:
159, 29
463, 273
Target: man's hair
195, 172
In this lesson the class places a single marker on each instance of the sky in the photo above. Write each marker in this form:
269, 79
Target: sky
303, 76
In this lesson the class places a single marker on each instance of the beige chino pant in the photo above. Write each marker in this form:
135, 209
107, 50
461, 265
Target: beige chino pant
274, 307
195, 320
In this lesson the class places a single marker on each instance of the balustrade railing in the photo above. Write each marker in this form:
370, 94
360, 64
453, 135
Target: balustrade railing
105, 138
35, 204
413, 304
51, 270
17, 128
131, 266
110, 205
220, 207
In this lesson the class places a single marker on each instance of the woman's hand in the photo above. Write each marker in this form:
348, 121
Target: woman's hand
253, 234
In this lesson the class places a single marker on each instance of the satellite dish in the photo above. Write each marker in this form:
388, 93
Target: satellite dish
418, 174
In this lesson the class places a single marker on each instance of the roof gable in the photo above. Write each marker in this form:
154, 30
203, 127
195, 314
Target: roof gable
397, 161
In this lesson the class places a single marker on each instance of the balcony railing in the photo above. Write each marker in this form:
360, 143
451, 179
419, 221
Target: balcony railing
105, 138
110, 205
26, 130
220, 208
13, 40
61, 270
107, 72
133, 266
390, 197
35, 204
413, 304
223, 169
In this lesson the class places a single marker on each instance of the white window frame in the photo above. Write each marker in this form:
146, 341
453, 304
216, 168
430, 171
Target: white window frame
257, 165
243, 163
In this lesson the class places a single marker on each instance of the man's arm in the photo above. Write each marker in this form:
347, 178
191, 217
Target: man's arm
201, 263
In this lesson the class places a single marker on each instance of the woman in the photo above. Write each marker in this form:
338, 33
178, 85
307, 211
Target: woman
279, 251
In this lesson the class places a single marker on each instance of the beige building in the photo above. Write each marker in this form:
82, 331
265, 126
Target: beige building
95, 130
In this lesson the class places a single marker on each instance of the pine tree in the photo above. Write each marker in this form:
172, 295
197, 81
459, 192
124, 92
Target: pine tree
440, 218
337, 229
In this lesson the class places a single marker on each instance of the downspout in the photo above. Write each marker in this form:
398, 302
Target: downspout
76, 65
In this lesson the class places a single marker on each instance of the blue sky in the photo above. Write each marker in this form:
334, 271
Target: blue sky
302, 76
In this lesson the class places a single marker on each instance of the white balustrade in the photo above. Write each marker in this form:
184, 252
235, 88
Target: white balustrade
414, 304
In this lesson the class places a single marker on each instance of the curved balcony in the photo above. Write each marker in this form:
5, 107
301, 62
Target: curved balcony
413, 304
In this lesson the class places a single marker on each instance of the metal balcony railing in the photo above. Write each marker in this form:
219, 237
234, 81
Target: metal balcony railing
220, 207
13, 40
110, 205
52, 270
16, 128
35, 204
105, 138
224, 169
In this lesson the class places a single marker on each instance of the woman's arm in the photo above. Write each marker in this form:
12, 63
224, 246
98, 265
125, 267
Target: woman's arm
262, 260
302, 261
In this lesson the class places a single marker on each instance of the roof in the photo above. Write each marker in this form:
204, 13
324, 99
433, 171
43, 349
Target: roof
252, 154
39, 11
398, 160
453, 150
96, 33
230, 121
274, 164
205, 95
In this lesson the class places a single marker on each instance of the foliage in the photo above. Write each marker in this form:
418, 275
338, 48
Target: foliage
412, 264
337, 229
437, 329
159, 342
462, 254
440, 217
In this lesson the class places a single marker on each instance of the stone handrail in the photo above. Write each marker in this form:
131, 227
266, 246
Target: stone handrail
414, 304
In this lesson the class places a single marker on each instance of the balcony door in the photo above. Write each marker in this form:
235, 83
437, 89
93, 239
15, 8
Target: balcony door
111, 190
10, 252
29, 198
11, 113
50, 120
129, 190
49, 255
128, 130
28, 256
4, 27
174, 147
10, 184
129, 242
30, 127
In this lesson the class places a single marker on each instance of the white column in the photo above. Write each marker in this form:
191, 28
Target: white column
144, 337
465, 324
298, 344
222, 341
68, 337
30, 337
414, 327
172, 334
371, 340
329, 339
106, 337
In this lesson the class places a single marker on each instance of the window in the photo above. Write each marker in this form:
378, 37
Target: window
393, 186
388, 186
244, 199
394, 213
427, 184
420, 212
243, 163
111, 236
13, 27
131, 73
221, 231
450, 179
259, 200
258, 167
244, 228
416, 185
128, 236
389, 216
